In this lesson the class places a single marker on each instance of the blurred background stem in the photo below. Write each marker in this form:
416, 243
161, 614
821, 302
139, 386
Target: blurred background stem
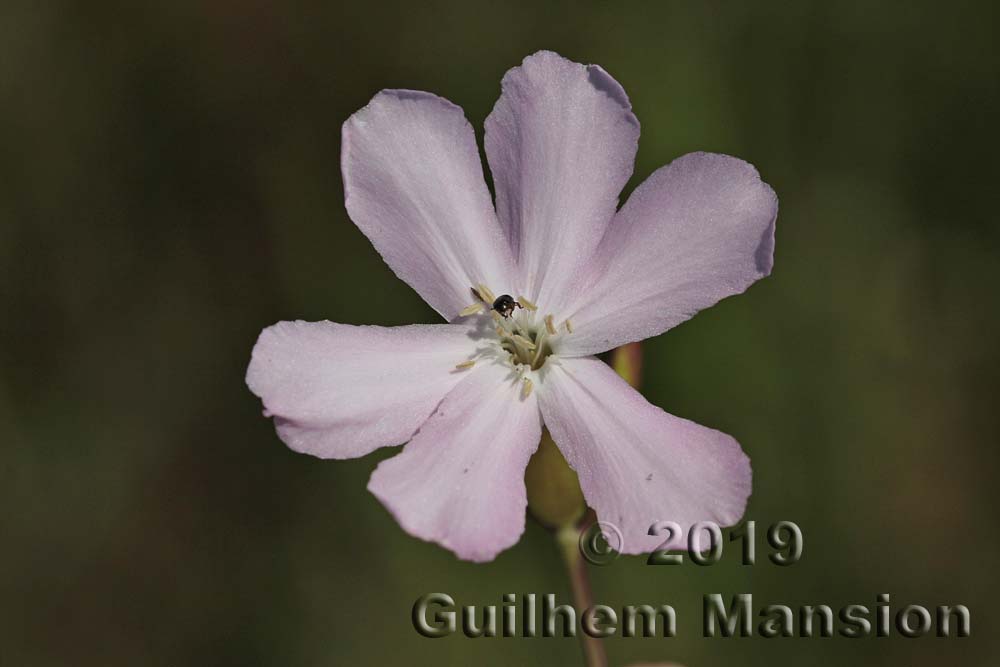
627, 362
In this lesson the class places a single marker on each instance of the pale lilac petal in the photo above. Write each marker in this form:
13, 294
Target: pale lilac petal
637, 464
561, 144
340, 391
696, 231
460, 480
413, 183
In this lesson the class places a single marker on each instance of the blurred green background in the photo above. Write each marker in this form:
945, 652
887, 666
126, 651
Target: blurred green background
169, 185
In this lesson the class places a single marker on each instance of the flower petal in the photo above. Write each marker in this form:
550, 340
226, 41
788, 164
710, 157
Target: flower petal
561, 144
637, 464
696, 231
460, 480
340, 391
413, 183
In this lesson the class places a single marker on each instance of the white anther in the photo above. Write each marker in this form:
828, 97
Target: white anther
485, 292
526, 388
470, 310
465, 365
569, 326
549, 326
526, 304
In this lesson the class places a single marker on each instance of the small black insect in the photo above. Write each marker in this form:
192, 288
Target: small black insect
505, 305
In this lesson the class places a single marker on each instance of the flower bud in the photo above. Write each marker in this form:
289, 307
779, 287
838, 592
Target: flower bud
554, 495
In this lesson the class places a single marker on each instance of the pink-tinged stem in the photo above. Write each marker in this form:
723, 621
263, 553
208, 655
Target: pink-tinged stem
569, 543
627, 362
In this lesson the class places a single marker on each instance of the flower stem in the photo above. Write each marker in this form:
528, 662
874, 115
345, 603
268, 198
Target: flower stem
568, 538
555, 499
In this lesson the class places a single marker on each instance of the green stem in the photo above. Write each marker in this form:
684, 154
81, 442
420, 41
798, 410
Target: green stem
568, 538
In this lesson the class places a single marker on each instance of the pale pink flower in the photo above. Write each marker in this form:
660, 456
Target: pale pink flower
470, 397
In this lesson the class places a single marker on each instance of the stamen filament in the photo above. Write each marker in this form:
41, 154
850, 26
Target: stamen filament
523, 341
538, 353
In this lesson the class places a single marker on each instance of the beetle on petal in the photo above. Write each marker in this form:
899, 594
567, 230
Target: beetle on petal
505, 304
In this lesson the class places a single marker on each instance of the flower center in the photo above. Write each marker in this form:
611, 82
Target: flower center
523, 338
527, 344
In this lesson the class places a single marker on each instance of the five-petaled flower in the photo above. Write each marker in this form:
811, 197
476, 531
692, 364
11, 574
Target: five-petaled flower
470, 397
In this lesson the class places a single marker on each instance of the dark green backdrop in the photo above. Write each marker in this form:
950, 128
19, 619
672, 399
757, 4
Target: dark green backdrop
169, 185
